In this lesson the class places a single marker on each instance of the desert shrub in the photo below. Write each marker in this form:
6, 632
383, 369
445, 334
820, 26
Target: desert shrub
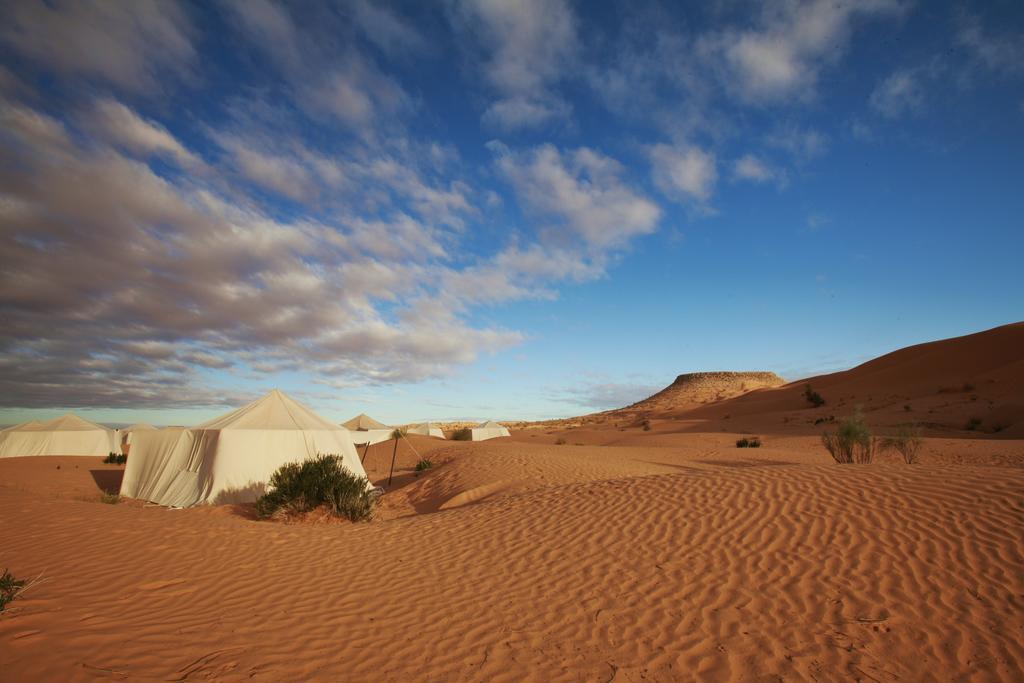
646, 424
9, 588
298, 487
822, 420
973, 424
998, 427
813, 397
852, 442
115, 459
424, 465
110, 498
560, 441
907, 408
907, 443
742, 443
754, 443
464, 434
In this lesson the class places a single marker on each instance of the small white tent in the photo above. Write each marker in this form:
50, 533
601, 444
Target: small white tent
365, 429
487, 430
230, 459
425, 429
67, 435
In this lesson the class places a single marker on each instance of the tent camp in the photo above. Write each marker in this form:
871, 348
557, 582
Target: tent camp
487, 430
67, 435
426, 429
230, 459
126, 433
367, 430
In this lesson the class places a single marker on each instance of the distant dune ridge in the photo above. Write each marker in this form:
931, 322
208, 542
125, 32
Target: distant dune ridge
943, 386
973, 383
696, 388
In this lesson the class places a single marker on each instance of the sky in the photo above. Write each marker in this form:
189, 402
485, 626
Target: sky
474, 208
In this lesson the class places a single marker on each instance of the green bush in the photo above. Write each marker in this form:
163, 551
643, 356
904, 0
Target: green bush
302, 486
110, 498
115, 459
813, 397
742, 443
464, 434
9, 588
754, 443
852, 443
748, 443
424, 465
907, 443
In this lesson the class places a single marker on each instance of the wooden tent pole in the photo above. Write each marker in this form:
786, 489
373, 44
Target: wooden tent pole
394, 454
367, 448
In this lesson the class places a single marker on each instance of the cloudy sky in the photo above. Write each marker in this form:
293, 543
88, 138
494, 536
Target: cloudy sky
480, 208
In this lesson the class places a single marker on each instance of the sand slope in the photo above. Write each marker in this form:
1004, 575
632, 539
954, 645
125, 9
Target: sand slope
941, 385
709, 566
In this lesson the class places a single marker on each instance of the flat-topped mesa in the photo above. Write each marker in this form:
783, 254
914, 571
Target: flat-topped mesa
696, 388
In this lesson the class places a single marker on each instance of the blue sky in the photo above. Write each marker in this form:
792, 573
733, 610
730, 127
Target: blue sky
473, 208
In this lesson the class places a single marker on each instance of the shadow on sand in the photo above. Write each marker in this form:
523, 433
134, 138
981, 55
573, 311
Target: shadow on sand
108, 481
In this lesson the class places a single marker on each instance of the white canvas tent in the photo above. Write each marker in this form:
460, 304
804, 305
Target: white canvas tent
426, 429
487, 430
126, 433
230, 459
366, 430
66, 435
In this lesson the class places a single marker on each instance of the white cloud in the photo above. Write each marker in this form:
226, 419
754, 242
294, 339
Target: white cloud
391, 33
1000, 53
684, 172
527, 48
356, 92
900, 93
603, 395
581, 191
133, 45
783, 55
803, 144
121, 126
328, 75
281, 174
519, 112
755, 170
203, 279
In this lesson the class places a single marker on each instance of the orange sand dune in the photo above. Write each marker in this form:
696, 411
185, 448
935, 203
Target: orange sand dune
685, 562
941, 385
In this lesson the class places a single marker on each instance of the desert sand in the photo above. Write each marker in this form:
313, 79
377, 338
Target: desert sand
623, 554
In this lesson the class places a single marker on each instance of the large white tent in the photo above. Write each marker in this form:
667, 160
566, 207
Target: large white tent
66, 435
230, 459
126, 433
425, 429
487, 430
366, 430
